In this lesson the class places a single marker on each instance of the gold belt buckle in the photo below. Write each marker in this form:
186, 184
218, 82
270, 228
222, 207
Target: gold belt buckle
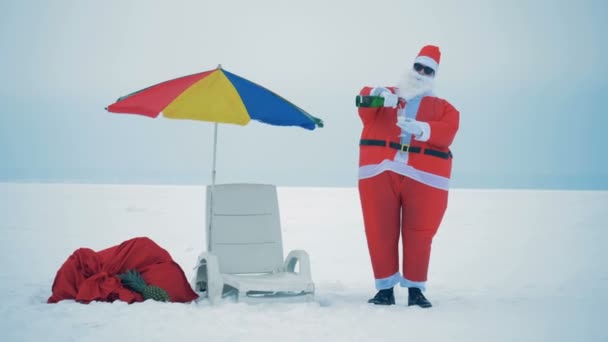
404, 147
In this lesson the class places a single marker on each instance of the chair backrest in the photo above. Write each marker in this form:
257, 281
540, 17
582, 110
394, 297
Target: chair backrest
245, 230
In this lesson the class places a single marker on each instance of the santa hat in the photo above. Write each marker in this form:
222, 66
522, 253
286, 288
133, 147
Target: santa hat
429, 55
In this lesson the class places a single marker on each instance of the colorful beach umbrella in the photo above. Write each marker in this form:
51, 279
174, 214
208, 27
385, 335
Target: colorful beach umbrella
216, 96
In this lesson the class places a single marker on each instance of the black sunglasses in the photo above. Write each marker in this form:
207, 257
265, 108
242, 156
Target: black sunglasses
427, 70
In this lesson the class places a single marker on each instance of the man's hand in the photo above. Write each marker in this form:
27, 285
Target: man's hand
390, 99
411, 126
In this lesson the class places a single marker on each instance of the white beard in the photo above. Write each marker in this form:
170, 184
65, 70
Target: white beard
413, 84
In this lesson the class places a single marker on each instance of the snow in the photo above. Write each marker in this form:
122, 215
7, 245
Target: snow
507, 265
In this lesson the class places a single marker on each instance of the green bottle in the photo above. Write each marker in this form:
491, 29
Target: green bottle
369, 101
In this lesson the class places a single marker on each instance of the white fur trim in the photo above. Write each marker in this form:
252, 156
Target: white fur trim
389, 282
436, 181
426, 131
428, 61
408, 283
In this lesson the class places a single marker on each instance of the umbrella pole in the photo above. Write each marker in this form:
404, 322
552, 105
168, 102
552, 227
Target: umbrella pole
212, 188
214, 154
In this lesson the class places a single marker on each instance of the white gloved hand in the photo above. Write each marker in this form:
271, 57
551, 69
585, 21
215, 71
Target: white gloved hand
377, 91
390, 99
411, 126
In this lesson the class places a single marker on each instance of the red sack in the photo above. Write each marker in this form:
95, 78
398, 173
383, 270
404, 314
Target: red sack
88, 275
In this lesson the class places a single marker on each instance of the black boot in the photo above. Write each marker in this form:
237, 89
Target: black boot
383, 297
415, 297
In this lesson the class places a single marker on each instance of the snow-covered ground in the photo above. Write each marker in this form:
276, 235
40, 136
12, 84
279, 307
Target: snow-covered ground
506, 266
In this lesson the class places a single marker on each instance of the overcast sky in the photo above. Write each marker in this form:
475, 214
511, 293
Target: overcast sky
528, 77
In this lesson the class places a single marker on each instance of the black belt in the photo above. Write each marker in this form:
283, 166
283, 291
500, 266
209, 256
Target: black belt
406, 148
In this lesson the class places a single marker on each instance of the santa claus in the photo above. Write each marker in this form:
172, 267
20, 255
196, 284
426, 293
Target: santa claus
405, 164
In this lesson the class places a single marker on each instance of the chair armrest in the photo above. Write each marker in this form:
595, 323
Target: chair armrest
208, 277
298, 256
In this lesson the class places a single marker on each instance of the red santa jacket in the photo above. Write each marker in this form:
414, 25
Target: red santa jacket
427, 161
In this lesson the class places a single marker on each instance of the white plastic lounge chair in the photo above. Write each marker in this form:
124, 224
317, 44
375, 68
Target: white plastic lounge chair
245, 250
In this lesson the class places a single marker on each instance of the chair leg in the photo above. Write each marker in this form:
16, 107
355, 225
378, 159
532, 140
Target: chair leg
208, 275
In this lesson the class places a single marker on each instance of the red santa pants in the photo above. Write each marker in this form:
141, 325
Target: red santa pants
395, 205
